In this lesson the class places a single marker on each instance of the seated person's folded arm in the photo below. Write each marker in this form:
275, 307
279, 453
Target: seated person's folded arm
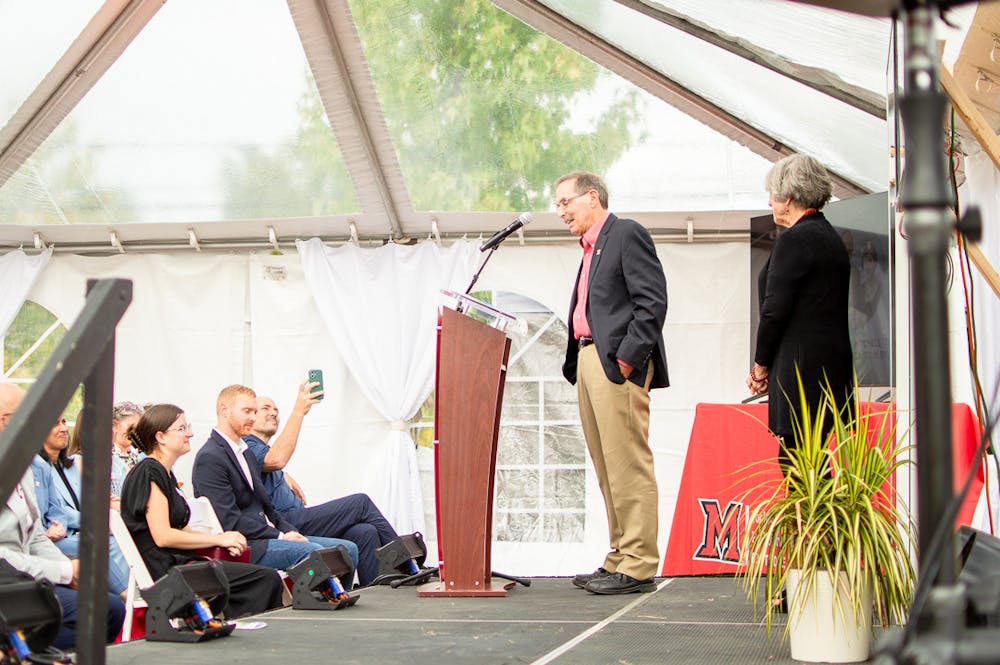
164, 535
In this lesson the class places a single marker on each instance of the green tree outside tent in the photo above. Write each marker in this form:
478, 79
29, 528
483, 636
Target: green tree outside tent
480, 104
484, 112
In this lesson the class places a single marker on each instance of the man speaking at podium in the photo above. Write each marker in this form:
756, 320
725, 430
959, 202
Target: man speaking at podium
615, 356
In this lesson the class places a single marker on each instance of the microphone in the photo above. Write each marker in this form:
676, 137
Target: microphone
501, 235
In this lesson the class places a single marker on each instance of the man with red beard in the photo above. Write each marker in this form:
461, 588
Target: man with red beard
225, 472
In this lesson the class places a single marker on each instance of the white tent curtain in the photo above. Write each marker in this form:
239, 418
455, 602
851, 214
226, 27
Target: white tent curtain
380, 306
18, 273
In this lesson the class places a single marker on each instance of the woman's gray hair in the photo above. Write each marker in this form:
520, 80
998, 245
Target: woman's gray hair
802, 179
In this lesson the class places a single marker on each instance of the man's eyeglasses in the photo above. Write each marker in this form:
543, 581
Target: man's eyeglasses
185, 428
562, 203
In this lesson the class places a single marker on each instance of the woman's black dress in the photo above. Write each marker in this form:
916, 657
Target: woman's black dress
252, 589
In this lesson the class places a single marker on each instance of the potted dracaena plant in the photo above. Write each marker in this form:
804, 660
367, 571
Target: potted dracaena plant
832, 533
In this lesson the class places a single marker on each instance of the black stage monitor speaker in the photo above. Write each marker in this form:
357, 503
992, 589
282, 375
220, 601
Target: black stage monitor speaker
30, 614
185, 604
980, 558
323, 579
405, 555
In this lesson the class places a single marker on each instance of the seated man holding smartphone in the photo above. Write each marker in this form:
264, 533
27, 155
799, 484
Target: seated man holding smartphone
354, 517
225, 472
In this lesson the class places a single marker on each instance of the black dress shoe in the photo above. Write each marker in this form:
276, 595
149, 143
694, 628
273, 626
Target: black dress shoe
620, 583
582, 579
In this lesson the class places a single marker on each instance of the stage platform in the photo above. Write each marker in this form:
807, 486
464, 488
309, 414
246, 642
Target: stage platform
697, 620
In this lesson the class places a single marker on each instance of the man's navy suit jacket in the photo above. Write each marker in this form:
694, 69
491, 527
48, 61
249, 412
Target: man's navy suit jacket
626, 304
238, 506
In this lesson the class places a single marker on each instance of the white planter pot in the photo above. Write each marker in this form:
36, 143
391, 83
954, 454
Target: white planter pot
820, 630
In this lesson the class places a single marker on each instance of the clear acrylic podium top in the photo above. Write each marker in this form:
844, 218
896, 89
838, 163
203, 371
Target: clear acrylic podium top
491, 316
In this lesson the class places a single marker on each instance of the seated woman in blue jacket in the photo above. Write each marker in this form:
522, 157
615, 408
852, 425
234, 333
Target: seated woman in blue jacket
57, 488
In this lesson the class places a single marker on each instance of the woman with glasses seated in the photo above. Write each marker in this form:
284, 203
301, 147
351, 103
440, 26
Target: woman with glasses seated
58, 490
157, 515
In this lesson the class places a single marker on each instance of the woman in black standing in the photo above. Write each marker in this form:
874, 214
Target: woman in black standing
803, 291
156, 513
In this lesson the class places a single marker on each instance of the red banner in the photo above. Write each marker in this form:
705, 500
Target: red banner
730, 452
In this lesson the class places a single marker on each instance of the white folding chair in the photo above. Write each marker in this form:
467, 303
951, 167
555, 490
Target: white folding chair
203, 518
138, 574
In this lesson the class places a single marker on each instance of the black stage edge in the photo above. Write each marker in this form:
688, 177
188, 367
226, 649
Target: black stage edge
697, 620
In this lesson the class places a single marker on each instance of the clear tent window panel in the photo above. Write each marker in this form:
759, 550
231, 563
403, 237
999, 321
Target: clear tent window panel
210, 114
541, 458
26, 347
849, 46
520, 402
847, 140
486, 112
541, 467
479, 104
33, 36
681, 164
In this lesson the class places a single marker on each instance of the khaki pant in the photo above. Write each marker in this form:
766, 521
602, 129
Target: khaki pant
616, 425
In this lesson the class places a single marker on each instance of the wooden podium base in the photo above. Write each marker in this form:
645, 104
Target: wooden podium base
439, 589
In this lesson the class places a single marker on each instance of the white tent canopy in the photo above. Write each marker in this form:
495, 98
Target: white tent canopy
159, 101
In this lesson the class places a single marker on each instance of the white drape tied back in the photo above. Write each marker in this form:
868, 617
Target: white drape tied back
380, 305
18, 273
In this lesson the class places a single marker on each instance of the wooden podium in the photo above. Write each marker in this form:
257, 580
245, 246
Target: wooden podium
471, 366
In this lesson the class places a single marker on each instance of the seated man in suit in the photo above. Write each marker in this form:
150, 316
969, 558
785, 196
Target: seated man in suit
226, 473
24, 546
353, 517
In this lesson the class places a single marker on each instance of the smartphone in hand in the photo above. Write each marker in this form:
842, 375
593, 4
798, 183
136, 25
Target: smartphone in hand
316, 376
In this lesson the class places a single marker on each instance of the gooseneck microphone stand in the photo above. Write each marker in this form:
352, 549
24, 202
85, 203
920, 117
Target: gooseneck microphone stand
937, 631
475, 278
